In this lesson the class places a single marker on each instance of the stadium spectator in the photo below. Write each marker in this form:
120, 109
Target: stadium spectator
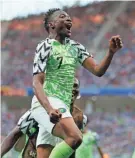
23, 35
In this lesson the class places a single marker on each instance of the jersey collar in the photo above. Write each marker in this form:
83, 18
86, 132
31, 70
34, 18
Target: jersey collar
67, 40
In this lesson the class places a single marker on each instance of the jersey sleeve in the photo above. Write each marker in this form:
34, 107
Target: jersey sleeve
41, 57
93, 137
96, 138
82, 53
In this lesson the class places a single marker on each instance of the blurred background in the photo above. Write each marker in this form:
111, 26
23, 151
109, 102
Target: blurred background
109, 101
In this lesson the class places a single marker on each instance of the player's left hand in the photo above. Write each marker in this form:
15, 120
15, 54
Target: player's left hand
115, 44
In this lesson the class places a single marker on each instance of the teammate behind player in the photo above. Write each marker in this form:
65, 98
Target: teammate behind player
26, 125
90, 139
55, 60
133, 156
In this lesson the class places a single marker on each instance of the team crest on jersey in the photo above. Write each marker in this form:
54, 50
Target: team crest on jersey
62, 110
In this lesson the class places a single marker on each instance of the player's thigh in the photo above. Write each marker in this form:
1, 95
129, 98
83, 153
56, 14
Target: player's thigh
78, 119
67, 128
44, 151
45, 143
44, 137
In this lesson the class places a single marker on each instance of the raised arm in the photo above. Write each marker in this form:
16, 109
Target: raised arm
99, 70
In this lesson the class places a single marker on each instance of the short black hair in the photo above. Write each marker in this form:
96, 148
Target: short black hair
47, 17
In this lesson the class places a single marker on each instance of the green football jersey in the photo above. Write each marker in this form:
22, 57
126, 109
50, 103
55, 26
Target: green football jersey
133, 156
85, 150
59, 61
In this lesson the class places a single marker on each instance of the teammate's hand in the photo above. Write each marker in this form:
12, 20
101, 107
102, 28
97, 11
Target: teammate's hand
115, 44
55, 115
106, 155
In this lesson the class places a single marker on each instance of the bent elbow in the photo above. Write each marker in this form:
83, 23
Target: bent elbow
98, 71
99, 74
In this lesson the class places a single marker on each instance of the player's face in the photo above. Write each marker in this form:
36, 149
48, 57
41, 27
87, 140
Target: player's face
62, 23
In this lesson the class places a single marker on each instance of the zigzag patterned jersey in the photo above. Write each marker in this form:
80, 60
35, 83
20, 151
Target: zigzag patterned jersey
59, 62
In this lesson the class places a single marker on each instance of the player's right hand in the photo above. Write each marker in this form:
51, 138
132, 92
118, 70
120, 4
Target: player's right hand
115, 44
55, 115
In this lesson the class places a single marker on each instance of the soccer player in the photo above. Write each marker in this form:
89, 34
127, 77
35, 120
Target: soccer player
133, 156
28, 126
90, 139
54, 67
49, 141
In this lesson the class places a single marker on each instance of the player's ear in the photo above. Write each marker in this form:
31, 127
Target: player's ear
51, 25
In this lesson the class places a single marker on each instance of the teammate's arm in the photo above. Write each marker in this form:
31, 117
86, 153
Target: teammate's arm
10, 140
100, 152
99, 69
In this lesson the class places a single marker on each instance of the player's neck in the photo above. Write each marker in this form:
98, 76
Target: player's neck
57, 37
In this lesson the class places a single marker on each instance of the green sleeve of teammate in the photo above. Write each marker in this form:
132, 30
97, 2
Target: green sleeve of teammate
133, 156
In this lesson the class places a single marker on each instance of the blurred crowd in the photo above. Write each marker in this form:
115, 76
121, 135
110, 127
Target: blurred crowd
10, 117
21, 36
116, 130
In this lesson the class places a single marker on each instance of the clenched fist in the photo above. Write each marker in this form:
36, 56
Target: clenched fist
55, 115
115, 44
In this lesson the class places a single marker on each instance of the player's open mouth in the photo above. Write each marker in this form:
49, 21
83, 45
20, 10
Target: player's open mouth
68, 26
